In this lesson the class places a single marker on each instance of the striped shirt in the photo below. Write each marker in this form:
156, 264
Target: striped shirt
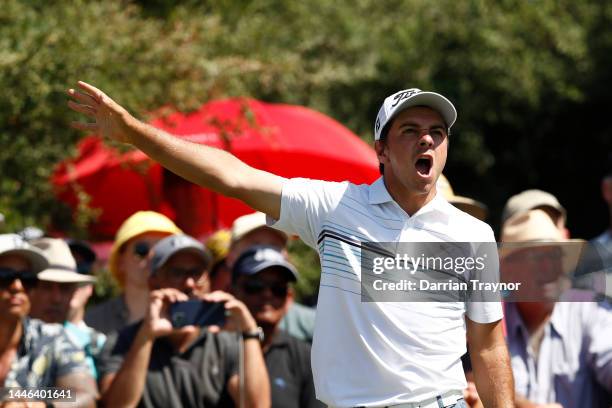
379, 353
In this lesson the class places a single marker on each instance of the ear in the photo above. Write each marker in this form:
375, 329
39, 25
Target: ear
380, 146
289, 300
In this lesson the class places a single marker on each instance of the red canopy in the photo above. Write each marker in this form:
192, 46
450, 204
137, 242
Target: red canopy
291, 141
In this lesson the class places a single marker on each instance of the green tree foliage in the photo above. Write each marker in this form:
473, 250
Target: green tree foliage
530, 79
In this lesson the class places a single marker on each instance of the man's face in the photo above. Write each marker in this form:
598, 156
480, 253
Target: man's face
14, 301
184, 271
267, 295
540, 270
51, 301
414, 153
133, 260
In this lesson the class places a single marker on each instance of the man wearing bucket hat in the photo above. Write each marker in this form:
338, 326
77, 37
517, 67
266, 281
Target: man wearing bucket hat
364, 353
561, 350
128, 264
55, 300
32, 353
261, 278
154, 364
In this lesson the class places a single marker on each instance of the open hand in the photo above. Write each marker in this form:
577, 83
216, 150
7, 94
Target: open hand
111, 120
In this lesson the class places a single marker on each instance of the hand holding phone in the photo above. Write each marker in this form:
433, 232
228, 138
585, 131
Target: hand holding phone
197, 312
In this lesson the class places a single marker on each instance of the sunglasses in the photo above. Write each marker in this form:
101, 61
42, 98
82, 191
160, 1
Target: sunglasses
255, 287
141, 249
8, 276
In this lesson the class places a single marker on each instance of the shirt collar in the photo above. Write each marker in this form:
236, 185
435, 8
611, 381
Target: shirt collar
514, 322
25, 343
378, 192
556, 321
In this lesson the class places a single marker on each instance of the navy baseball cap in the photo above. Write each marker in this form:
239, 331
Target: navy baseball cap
173, 244
260, 257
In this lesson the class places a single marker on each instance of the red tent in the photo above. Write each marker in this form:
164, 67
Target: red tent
291, 141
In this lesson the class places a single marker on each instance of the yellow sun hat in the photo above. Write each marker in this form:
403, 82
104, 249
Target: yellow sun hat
138, 223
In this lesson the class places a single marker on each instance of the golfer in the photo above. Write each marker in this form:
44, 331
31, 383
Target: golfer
373, 354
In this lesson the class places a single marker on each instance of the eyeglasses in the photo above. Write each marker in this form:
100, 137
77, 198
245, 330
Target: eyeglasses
8, 276
177, 273
255, 287
141, 249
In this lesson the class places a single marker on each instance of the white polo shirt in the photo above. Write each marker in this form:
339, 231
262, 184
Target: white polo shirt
379, 353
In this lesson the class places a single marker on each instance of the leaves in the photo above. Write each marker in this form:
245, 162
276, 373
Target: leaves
529, 78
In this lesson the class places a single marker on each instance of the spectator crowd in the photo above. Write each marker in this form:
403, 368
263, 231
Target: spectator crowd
130, 351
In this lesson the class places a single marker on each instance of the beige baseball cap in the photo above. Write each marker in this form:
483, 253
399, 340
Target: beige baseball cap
528, 200
250, 222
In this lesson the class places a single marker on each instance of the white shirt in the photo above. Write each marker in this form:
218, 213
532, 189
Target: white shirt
379, 353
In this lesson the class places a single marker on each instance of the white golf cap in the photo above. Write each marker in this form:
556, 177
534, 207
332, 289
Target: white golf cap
13, 244
407, 98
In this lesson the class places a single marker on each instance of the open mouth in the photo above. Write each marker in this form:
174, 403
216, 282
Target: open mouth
423, 166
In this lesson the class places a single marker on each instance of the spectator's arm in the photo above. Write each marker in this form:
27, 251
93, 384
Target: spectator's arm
84, 388
490, 363
126, 387
212, 168
257, 383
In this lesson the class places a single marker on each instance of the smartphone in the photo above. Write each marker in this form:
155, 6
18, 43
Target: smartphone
197, 313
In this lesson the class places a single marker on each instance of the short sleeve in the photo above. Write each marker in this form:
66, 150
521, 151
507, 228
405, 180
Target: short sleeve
484, 306
115, 348
305, 205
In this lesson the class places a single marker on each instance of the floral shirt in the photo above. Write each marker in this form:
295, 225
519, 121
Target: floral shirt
45, 354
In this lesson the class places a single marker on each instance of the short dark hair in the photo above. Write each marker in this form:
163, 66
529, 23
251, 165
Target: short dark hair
383, 139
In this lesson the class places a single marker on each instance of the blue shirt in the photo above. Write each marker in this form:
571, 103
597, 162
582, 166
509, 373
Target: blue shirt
574, 363
90, 340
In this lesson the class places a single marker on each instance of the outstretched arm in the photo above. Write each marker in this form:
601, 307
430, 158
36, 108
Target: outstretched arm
491, 363
209, 167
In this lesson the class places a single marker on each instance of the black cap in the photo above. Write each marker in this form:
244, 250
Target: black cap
259, 257
82, 248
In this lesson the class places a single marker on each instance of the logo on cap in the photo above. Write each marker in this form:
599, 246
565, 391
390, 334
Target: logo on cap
268, 254
404, 95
